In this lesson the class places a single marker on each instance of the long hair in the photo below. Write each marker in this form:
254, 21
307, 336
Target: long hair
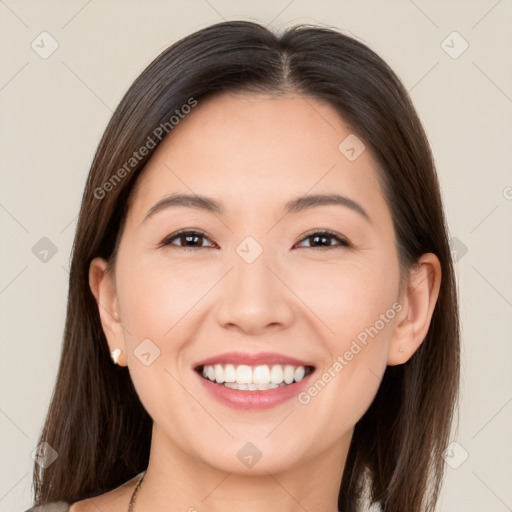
95, 414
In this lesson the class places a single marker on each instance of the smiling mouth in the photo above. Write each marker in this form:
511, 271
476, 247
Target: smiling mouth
254, 378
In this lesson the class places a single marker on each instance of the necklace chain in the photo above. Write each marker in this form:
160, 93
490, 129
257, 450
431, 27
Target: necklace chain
134, 494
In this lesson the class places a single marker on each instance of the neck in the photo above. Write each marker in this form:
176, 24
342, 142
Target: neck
176, 480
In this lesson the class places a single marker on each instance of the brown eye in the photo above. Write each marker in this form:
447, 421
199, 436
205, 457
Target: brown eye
324, 238
188, 240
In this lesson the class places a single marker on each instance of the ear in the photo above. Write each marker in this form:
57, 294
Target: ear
418, 301
102, 286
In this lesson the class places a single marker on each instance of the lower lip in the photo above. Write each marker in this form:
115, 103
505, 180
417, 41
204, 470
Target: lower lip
253, 400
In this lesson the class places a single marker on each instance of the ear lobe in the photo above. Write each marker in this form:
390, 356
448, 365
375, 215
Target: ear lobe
102, 287
418, 303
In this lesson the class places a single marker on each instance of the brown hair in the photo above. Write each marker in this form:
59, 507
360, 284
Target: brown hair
96, 422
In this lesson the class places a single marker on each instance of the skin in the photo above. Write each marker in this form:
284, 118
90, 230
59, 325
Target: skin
253, 153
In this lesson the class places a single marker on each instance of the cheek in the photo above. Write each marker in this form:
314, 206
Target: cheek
357, 303
154, 300
347, 296
155, 295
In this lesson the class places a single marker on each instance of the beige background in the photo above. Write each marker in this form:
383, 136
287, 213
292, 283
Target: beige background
54, 110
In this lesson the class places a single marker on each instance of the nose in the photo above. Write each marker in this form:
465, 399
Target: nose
254, 298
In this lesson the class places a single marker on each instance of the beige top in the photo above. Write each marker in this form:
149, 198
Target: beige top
115, 496
56, 506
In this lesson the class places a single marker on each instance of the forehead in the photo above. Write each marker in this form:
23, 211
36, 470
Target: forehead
252, 150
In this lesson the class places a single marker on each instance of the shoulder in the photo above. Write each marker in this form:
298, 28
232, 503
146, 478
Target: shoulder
112, 501
56, 506
102, 502
116, 500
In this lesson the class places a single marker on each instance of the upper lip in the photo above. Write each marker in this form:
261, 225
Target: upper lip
256, 359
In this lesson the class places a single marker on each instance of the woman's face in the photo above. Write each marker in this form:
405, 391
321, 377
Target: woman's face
256, 281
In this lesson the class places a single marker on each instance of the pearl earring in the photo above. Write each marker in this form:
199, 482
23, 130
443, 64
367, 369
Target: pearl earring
115, 355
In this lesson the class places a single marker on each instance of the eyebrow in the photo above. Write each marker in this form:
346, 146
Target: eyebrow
293, 206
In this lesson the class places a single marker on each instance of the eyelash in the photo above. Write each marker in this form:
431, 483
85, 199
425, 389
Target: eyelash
343, 242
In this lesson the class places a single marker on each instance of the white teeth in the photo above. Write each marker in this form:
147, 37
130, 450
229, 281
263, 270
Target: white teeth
229, 373
261, 375
219, 373
276, 374
244, 374
251, 387
299, 374
250, 378
289, 372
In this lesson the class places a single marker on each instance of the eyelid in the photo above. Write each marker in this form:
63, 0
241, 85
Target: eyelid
343, 242
194, 231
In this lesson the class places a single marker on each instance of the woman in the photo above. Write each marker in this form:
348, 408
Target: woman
262, 307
